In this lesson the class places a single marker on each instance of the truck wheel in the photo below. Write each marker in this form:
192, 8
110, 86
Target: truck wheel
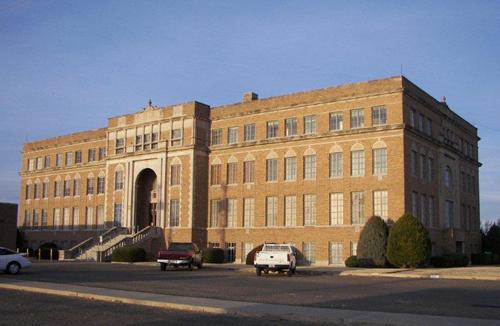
190, 266
163, 267
258, 271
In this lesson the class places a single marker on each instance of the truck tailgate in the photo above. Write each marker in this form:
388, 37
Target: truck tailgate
272, 258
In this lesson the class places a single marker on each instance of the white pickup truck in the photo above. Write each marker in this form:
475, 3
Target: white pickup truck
275, 257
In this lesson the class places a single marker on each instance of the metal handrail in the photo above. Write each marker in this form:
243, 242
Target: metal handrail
135, 238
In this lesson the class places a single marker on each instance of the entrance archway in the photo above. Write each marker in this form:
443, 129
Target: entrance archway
146, 199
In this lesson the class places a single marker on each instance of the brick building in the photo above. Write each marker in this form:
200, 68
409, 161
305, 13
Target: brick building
307, 168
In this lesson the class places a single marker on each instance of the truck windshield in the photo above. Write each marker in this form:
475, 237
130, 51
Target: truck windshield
180, 246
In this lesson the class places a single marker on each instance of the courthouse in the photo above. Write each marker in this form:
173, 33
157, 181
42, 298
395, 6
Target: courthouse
307, 168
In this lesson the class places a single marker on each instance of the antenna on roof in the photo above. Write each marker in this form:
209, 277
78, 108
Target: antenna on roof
150, 102
443, 99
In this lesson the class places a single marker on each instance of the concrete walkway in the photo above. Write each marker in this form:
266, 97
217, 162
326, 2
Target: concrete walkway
248, 309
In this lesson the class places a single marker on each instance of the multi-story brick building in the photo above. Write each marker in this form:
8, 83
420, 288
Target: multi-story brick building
307, 168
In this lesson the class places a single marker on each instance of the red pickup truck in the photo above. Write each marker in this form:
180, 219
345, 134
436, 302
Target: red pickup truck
180, 254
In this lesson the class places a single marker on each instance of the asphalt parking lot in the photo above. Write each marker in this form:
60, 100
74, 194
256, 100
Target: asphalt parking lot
473, 299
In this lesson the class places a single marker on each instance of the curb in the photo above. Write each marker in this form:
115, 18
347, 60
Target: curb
422, 276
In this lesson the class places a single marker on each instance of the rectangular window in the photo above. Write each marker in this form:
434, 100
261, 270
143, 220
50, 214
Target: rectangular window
215, 174
429, 169
248, 212
310, 167
76, 217
174, 212
309, 124
46, 163
336, 121
57, 188
272, 211
216, 210
57, 217
246, 249
423, 166
380, 204
354, 248
100, 185
89, 217
154, 140
44, 217
31, 164
67, 188
117, 214
357, 163
26, 218
449, 217
45, 189
336, 253
119, 145
35, 218
91, 155
36, 191
336, 164
414, 204
421, 120
90, 186
249, 168
138, 142
231, 213
232, 168
100, 216
272, 170
430, 211
309, 252
357, 207
27, 191
336, 208
175, 174
176, 137
59, 160
290, 211
309, 209
380, 161
357, 118
412, 114
423, 209
291, 127
216, 136
414, 163
78, 157
232, 135
290, 168
102, 153
272, 129
69, 158
249, 132
118, 180
379, 116
428, 129
66, 220
39, 163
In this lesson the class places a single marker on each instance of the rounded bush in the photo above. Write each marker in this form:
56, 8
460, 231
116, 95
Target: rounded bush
128, 254
372, 243
409, 244
492, 239
482, 259
450, 260
45, 251
352, 261
251, 255
213, 255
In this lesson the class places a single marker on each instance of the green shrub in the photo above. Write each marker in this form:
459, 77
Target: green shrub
496, 259
372, 243
484, 259
251, 255
213, 255
450, 260
492, 239
408, 244
45, 251
128, 254
352, 261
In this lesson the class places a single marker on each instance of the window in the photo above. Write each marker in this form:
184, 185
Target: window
45, 189
117, 214
66, 221
57, 217
357, 118
102, 153
231, 172
232, 135
119, 146
216, 136
272, 170
138, 142
100, 185
310, 167
336, 121
414, 204
271, 211
174, 212
59, 160
291, 127
290, 210
357, 207
91, 155
69, 158
309, 209
423, 166
31, 164
428, 129
78, 157
380, 161
147, 141
309, 252
248, 170
246, 248
231, 213
176, 139
76, 217
290, 168
46, 163
380, 204
423, 209
272, 129
429, 169
57, 188
414, 167
44, 217
90, 186
250, 132
421, 120
215, 212
39, 163
175, 174
89, 216
447, 176
118, 180
354, 248
336, 163
336, 253
310, 124
430, 211
27, 191
215, 174
357, 163
449, 216
336, 208
248, 212
26, 218
154, 140
35, 218
412, 114
379, 116
67, 188
100, 216
36, 190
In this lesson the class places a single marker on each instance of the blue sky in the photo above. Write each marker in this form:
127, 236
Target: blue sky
67, 66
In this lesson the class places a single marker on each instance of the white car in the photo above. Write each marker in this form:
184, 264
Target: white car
12, 262
275, 257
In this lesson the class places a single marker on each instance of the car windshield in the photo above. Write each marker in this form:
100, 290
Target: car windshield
276, 248
5, 251
180, 246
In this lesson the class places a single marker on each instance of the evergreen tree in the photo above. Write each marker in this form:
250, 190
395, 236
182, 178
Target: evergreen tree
373, 243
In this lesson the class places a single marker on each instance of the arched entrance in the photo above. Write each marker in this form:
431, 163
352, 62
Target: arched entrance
146, 199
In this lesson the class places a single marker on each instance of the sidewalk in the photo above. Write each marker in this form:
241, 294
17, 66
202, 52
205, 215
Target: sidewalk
240, 308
